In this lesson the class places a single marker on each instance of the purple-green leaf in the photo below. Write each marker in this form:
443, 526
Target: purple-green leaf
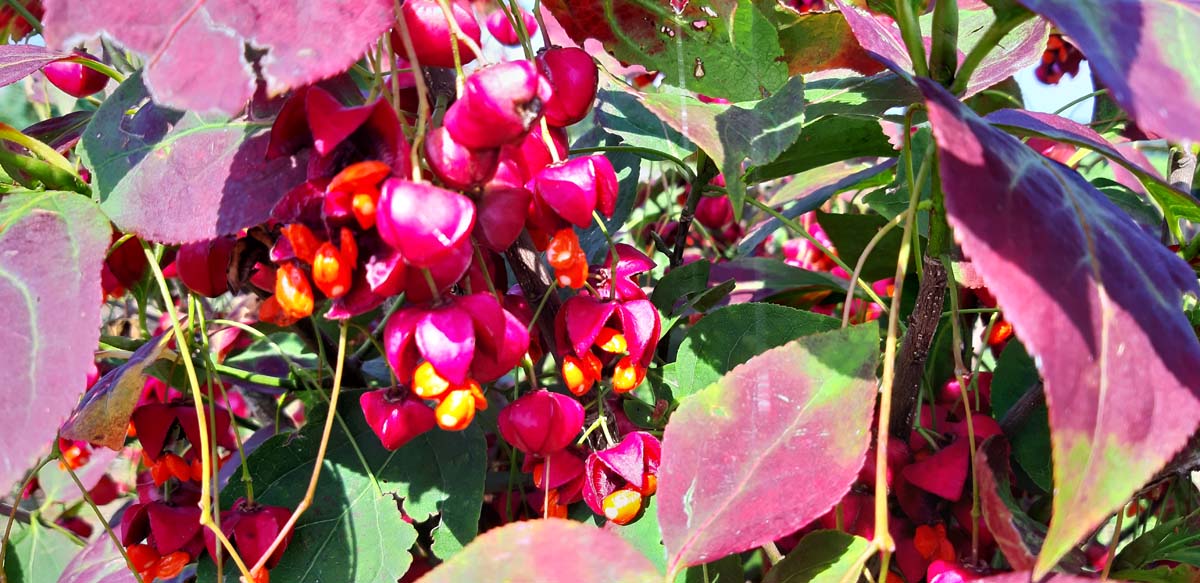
1177, 205
1094, 299
102, 416
53, 245
196, 52
547, 550
1017, 535
796, 414
1021, 48
19, 61
1139, 51
177, 177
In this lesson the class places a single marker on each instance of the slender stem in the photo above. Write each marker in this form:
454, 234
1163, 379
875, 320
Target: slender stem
862, 261
883, 540
206, 462
960, 371
253, 377
800, 230
991, 38
98, 67
514, 13
321, 449
12, 515
910, 31
705, 171
772, 553
100, 516
537, 15
26, 14
422, 91
1080, 99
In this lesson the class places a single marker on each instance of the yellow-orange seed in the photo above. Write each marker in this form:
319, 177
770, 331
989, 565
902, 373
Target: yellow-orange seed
622, 506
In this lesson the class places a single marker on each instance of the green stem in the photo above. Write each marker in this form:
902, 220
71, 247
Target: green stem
1080, 99
943, 56
98, 67
253, 377
50, 155
910, 31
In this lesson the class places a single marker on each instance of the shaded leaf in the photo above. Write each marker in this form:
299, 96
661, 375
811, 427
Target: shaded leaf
1134, 49
810, 190
54, 244
1094, 299
1015, 374
833, 93
1162, 574
644, 535
290, 42
1027, 576
1176, 540
733, 335
850, 235
759, 278
547, 550
824, 556
678, 283
19, 61
721, 48
62, 132
36, 553
176, 177
102, 416
798, 413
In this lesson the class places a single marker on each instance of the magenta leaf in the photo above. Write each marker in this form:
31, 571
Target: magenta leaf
18, 61
799, 413
196, 52
176, 177
1134, 49
54, 244
547, 550
1176, 205
1101, 314
1022, 46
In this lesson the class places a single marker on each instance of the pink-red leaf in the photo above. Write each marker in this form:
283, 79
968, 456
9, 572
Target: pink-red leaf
18, 61
1137, 49
546, 550
1095, 300
196, 52
53, 245
176, 178
799, 413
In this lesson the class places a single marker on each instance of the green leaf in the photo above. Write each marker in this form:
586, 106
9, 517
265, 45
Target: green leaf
825, 141
850, 235
1016, 373
37, 554
721, 48
353, 531
679, 282
824, 556
623, 115
643, 534
1174, 540
732, 335
730, 134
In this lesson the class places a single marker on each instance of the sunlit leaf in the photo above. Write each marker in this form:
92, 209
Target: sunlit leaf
53, 245
1101, 314
799, 413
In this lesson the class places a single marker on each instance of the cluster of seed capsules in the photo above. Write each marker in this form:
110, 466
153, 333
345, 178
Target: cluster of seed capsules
374, 221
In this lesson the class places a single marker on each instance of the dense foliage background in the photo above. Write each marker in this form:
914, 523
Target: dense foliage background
598, 290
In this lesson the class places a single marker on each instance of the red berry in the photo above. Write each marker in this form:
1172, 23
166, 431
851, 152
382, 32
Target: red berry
75, 79
430, 32
457, 166
573, 77
203, 265
541, 423
502, 28
498, 105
